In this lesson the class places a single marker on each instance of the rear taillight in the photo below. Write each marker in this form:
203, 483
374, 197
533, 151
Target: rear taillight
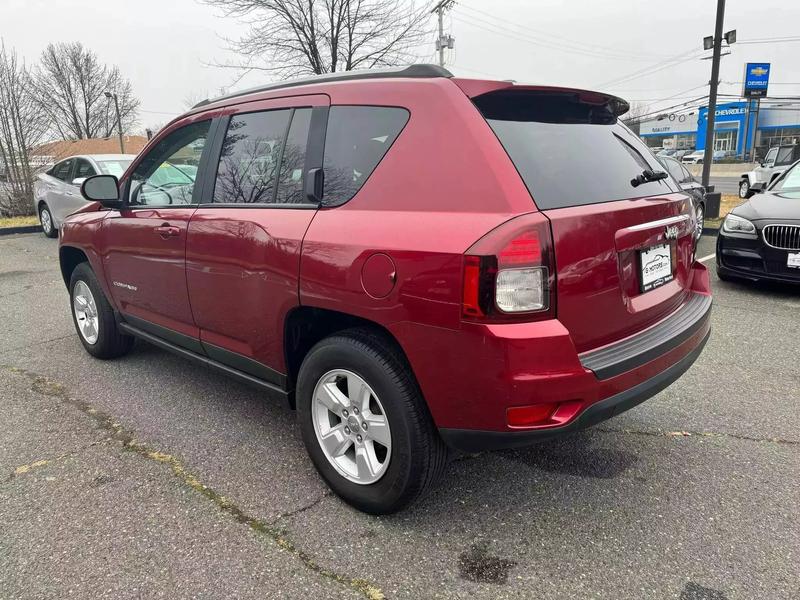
509, 273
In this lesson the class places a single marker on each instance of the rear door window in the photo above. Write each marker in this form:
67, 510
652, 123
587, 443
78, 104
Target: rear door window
63, 169
356, 140
569, 153
251, 152
83, 168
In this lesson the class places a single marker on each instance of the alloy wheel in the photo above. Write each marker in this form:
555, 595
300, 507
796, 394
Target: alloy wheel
699, 215
85, 310
351, 426
46, 220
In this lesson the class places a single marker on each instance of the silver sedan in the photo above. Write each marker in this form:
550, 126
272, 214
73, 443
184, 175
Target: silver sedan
57, 192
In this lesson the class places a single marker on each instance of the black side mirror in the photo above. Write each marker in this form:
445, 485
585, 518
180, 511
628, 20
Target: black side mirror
315, 182
103, 189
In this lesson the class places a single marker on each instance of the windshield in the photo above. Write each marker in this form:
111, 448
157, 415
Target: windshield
790, 182
571, 154
114, 167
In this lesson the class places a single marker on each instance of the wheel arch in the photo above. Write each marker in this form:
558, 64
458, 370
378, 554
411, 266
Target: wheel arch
70, 257
304, 326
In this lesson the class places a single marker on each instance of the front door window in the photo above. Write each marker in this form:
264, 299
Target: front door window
166, 176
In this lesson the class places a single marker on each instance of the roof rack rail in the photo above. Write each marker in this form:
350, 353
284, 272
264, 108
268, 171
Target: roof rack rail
414, 71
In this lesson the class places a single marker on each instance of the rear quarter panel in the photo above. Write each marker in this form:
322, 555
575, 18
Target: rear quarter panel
445, 183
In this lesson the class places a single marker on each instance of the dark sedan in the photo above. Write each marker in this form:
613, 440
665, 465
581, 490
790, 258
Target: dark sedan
691, 186
760, 239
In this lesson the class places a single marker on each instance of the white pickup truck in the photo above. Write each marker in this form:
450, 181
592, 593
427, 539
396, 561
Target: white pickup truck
777, 160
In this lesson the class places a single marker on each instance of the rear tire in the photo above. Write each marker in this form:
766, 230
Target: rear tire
94, 318
414, 455
48, 224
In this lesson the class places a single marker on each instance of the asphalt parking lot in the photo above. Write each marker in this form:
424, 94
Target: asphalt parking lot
151, 477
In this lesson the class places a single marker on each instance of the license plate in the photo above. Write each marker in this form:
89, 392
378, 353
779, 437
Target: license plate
793, 260
655, 267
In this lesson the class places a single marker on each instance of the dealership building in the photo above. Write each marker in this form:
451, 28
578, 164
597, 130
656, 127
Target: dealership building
736, 125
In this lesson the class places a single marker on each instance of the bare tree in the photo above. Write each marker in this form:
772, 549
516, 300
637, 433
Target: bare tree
300, 37
22, 126
71, 83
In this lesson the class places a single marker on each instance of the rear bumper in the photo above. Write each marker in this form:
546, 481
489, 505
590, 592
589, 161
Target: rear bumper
501, 367
472, 440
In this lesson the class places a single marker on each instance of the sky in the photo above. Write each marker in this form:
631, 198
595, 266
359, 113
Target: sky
647, 51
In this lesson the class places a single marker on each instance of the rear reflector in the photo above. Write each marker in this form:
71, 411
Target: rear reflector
545, 414
535, 414
472, 280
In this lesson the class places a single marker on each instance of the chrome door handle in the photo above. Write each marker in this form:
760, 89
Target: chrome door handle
166, 231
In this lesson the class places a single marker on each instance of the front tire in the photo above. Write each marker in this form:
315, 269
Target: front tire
365, 424
744, 189
94, 318
48, 224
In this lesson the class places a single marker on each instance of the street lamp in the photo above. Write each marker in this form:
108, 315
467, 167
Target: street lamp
110, 95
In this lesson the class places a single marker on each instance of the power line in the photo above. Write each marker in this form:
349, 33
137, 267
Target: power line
671, 62
501, 31
559, 41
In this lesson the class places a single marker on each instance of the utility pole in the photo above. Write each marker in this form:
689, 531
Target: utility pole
708, 155
119, 120
443, 41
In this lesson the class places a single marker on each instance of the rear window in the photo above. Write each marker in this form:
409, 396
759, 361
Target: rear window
569, 153
357, 139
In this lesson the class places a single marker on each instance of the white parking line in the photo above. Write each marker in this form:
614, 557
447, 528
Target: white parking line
705, 258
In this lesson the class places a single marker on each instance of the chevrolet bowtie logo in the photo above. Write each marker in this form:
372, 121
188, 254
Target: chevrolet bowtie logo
758, 71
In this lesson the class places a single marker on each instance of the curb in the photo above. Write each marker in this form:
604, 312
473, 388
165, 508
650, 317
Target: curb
21, 229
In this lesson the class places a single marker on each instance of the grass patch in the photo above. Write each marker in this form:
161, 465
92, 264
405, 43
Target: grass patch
18, 221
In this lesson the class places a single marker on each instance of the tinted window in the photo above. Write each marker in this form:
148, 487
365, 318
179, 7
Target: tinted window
290, 184
569, 153
687, 177
166, 175
62, 170
83, 168
355, 142
114, 167
250, 155
673, 168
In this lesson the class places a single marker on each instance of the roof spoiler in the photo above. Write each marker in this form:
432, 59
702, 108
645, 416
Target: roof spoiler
479, 87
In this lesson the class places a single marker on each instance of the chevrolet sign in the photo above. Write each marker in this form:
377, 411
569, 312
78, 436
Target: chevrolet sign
756, 80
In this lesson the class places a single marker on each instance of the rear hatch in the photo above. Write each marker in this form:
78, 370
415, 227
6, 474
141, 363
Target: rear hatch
623, 247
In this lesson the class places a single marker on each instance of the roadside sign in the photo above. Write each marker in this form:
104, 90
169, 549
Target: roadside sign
756, 80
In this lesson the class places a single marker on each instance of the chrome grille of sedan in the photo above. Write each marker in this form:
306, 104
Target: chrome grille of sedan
785, 237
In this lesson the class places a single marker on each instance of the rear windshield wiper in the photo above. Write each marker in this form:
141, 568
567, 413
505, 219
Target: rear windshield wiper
648, 175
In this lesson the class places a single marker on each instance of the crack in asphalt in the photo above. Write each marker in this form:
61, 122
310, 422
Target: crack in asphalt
302, 509
117, 432
706, 434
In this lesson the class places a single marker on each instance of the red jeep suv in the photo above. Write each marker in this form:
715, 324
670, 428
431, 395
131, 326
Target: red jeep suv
416, 262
